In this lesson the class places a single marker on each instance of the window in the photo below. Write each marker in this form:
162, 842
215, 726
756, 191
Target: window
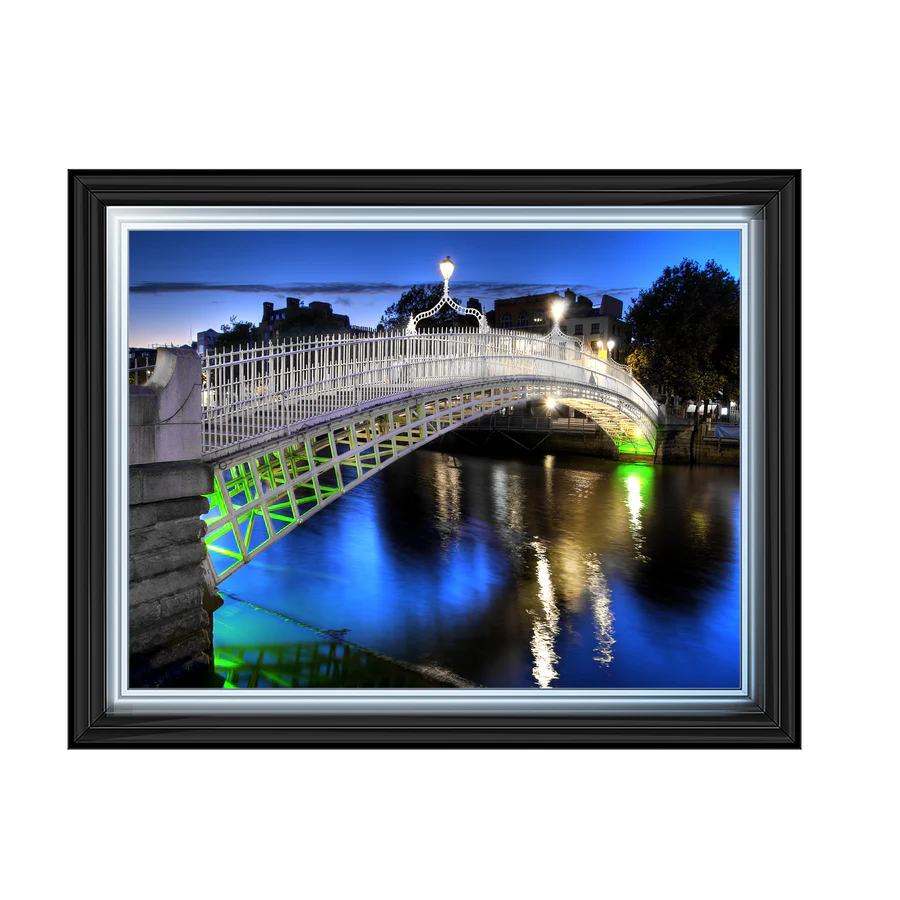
564, 329
595, 328
506, 321
521, 320
579, 329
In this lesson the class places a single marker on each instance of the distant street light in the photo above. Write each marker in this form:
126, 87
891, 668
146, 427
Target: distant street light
447, 268
610, 345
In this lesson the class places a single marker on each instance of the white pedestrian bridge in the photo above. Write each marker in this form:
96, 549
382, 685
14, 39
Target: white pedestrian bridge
289, 427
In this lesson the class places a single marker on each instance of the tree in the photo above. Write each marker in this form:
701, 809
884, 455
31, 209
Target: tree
417, 299
686, 333
234, 334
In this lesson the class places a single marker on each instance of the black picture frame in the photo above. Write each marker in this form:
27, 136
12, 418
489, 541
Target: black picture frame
771, 716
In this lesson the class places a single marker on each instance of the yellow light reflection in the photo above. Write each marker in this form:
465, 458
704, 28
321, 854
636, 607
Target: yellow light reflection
634, 502
447, 479
516, 496
700, 525
548, 477
545, 623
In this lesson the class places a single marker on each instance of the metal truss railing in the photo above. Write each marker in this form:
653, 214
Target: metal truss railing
262, 495
255, 393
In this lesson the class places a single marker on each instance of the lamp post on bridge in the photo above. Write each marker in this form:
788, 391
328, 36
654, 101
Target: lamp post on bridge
447, 267
556, 311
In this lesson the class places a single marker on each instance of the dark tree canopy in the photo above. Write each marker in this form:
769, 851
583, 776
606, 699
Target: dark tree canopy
418, 299
686, 332
234, 334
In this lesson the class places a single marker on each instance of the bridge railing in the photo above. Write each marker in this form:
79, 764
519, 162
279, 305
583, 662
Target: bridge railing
251, 391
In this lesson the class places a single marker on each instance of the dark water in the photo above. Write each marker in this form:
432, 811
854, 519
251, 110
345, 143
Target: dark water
556, 571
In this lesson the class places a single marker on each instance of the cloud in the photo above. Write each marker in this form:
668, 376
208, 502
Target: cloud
345, 290
302, 288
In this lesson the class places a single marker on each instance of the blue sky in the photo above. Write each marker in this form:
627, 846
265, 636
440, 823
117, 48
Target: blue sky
182, 282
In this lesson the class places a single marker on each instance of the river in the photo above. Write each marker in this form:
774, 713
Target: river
538, 571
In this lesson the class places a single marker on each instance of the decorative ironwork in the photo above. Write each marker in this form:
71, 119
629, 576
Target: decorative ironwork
557, 333
447, 300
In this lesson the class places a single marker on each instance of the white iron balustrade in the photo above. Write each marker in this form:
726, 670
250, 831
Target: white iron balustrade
251, 393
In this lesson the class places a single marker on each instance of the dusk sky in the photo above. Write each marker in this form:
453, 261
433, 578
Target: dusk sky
182, 282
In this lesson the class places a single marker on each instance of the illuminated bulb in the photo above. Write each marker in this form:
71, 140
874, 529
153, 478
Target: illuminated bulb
556, 310
447, 268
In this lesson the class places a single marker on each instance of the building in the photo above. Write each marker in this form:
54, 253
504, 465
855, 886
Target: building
534, 312
580, 318
296, 318
141, 361
206, 340
602, 325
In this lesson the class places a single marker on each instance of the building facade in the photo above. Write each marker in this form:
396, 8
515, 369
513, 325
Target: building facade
206, 340
534, 312
602, 325
296, 318
596, 326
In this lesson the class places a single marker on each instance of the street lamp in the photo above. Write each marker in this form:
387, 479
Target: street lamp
556, 310
447, 268
610, 345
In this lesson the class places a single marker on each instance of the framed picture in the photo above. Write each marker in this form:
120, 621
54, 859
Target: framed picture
112, 205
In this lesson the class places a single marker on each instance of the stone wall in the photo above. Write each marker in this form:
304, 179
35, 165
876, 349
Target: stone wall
673, 443
171, 595
674, 446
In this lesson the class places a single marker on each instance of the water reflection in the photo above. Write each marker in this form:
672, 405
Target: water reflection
601, 606
546, 622
700, 525
507, 504
448, 491
518, 572
312, 663
516, 494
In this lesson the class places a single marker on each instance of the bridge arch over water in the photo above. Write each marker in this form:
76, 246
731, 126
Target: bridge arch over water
290, 427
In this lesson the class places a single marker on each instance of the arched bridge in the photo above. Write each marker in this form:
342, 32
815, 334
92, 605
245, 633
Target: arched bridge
289, 427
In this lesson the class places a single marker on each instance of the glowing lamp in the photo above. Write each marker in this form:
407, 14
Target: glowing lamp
556, 310
447, 268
